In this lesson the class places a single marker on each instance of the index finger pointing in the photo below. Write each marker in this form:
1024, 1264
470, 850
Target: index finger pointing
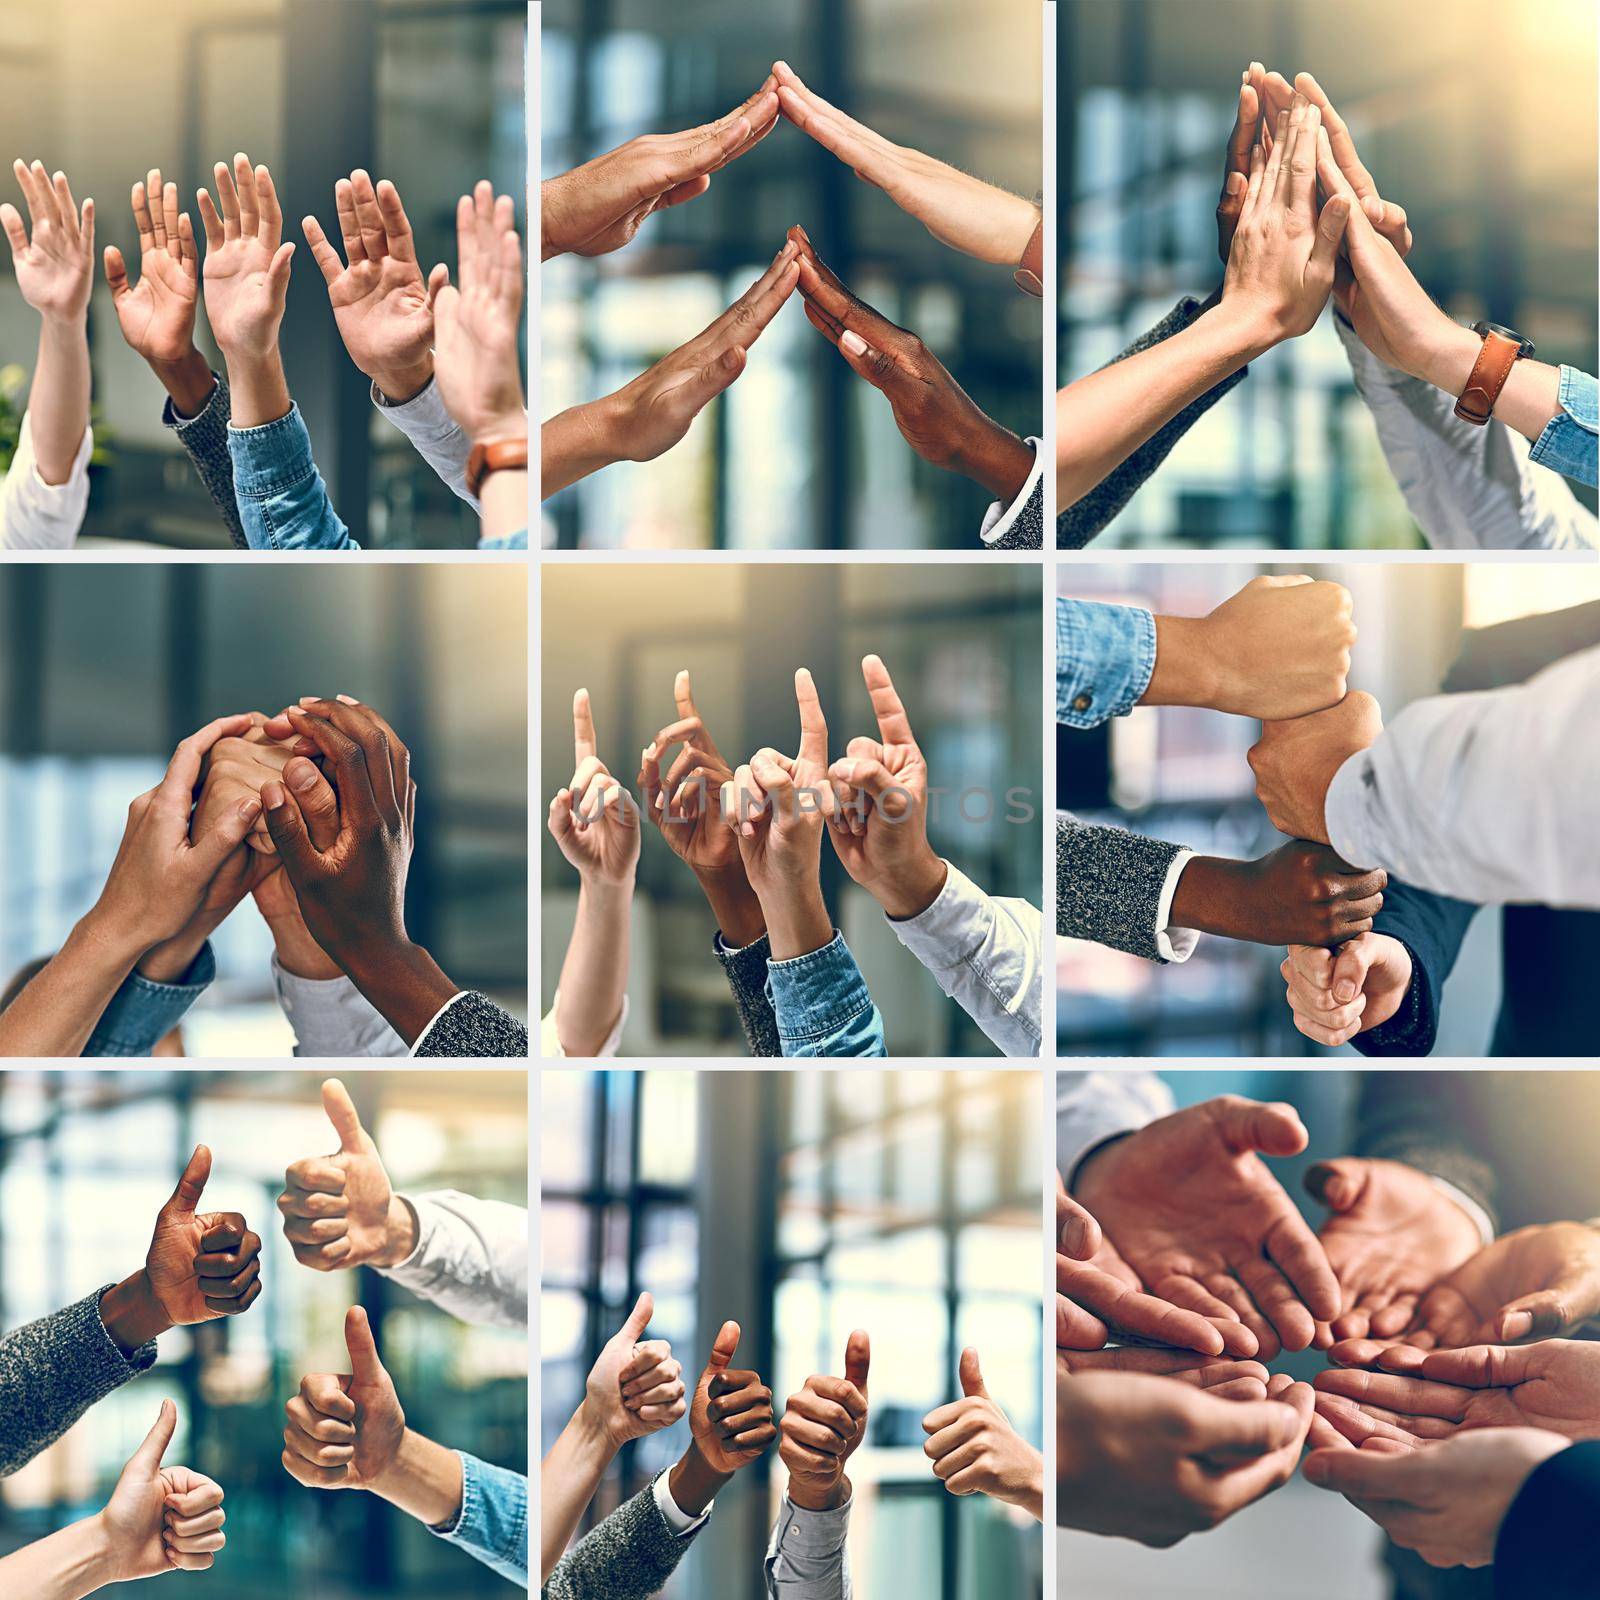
813, 725
583, 739
894, 726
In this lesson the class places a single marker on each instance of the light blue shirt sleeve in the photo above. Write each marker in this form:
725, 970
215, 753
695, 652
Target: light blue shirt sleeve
822, 1004
806, 1554
283, 502
142, 1013
1105, 655
492, 1525
1567, 444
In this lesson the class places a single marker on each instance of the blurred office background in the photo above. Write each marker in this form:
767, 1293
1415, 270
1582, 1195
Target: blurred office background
86, 1161
103, 669
428, 93
1477, 116
962, 645
799, 452
804, 1205
1180, 774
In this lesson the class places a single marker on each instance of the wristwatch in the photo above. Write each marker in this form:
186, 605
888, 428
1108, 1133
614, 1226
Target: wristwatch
1502, 349
1030, 270
494, 455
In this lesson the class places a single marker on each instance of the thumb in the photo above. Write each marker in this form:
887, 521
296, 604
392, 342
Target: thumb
1482, 1366
148, 1456
365, 1367
1330, 230
1338, 1183
345, 1118
207, 855
724, 1347
1274, 1129
278, 272
1350, 970
1544, 1315
437, 279
639, 1318
971, 1377
192, 1184
116, 273
858, 1358
711, 379
287, 829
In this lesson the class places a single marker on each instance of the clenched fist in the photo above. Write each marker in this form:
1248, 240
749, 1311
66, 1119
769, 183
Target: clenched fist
201, 1264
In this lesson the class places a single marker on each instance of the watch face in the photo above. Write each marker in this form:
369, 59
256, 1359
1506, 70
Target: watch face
1484, 329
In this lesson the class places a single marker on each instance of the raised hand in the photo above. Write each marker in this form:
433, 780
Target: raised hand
201, 1264
1336, 995
1295, 761
55, 267
1390, 1235
345, 1430
934, 413
478, 342
975, 1450
1198, 1216
156, 315
593, 819
340, 1211
730, 1417
683, 801
960, 211
380, 299
1298, 894
246, 273
1236, 161
161, 1519
635, 1387
237, 768
600, 206
1387, 217
822, 1427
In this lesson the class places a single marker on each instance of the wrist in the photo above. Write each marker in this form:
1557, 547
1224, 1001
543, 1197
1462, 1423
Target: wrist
511, 423
909, 893
400, 385
1185, 672
400, 978
797, 921
693, 1482
1206, 884
423, 1479
998, 460
258, 388
1247, 326
605, 892
400, 1233
116, 940
168, 961
299, 954
551, 193
188, 380
819, 1495
1444, 354
734, 904
63, 325
580, 441
131, 1313
595, 1433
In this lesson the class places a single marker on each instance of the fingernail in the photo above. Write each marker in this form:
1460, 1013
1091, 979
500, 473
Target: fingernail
853, 342
272, 795
1235, 183
1344, 991
304, 778
1516, 1325
347, 699
250, 809
309, 699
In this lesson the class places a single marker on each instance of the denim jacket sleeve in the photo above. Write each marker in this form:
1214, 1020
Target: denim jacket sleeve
204, 438
142, 1013
283, 502
822, 1004
984, 953
806, 1554
1105, 655
1567, 444
492, 1525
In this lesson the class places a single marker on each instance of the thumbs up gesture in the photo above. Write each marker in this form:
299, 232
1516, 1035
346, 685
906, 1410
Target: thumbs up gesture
822, 1426
975, 1450
201, 1264
731, 1418
635, 1387
339, 1210
160, 1519
345, 1429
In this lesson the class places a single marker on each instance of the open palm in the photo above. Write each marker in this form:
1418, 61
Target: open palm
55, 267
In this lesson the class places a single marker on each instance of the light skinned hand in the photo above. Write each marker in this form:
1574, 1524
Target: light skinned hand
1201, 1219
730, 1417
1446, 1502
161, 1519
156, 315
239, 766
963, 212
593, 819
1391, 1233
1295, 761
1278, 648
1222, 1376
55, 267
684, 802
1388, 218
476, 354
1152, 1459
201, 1264
975, 1450
246, 271
1334, 995
635, 1387
345, 1430
600, 206
823, 1425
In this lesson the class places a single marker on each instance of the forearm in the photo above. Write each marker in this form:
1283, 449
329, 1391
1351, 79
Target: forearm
132, 1314
734, 904
259, 388
694, 1483
58, 402
189, 382
65, 1565
594, 976
55, 1014
424, 1480
1529, 399
796, 918
573, 444
503, 504
995, 458
403, 981
568, 1478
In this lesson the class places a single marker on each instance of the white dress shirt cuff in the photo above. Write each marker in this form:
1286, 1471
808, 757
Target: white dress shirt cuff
679, 1520
331, 1017
1480, 1217
550, 1047
1347, 809
998, 520
1174, 944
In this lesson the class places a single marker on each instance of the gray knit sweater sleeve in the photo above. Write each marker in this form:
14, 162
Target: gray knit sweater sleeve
628, 1557
1081, 522
52, 1371
1108, 885
205, 441
473, 1025
1027, 530
746, 972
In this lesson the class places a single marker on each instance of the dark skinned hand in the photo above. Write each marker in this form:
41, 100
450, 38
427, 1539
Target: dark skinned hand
731, 1414
1300, 893
201, 1264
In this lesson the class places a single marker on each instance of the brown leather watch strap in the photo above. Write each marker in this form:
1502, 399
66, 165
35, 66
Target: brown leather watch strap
1030, 270
494, 455
1488, 377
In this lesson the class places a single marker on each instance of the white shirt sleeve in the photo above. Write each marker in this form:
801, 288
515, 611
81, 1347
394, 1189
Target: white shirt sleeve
1175, 944
679, 1520
998, 520
332, 1018
35, 515
435, 434
1092, 1107
1488, 797
470, 1258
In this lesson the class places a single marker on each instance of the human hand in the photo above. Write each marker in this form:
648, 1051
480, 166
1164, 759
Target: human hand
975, 1450
1279, 648
822, 1426
1295, 761
476, 353
1446, 1502
1387, 217
345, 1430
1219, 1375
1236, 159
55, 268
157, 314
246, 272
635, 1387
382, 305
683, 802
933, 412
340, 1211
601, 205
880, 829
963, 212
1335, 995
730, 1416
239, 766
1390, 1235
160, 1519
1198, 1216
1299, 894
201, 1265
1146, 1458
1280, 263
594, 820
777, 805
